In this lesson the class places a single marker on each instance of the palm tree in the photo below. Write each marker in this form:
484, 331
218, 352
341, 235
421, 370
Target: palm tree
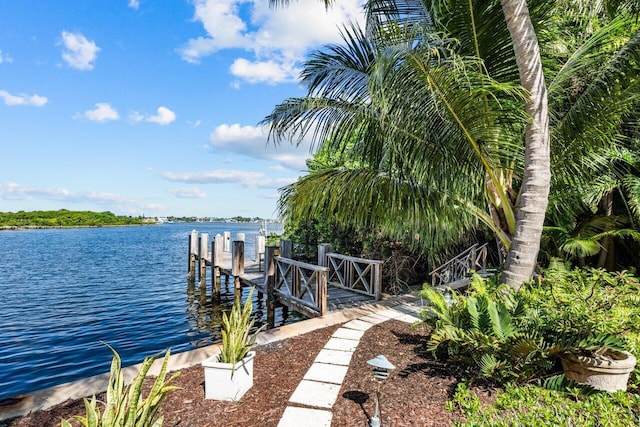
396, 93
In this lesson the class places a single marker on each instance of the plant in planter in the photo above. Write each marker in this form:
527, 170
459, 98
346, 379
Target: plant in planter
591, 317
229, 373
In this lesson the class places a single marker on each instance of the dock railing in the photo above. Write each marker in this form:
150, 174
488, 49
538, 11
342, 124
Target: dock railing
360, 275
303, 285
472, 259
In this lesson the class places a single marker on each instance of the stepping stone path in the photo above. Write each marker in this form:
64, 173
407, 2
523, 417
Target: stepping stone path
311, 402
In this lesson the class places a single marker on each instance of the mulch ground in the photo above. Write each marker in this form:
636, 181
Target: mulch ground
414, 395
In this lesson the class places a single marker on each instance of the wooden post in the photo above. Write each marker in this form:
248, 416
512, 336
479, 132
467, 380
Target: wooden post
270, 282
240, 237
260, 244
286, 248
216, 261
227, 241
237, 263
193, 248
323, 250
203, 255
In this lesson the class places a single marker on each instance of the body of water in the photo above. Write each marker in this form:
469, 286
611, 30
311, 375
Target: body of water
63, 292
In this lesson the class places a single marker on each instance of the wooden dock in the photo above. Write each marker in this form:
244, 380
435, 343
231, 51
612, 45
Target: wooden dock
337, 282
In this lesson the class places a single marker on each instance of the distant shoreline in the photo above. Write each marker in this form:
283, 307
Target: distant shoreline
47, 227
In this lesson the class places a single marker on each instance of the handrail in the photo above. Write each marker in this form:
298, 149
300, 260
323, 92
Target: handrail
359, 275
303, 283
459, 267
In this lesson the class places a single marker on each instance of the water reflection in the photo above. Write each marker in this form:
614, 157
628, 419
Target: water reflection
205, 311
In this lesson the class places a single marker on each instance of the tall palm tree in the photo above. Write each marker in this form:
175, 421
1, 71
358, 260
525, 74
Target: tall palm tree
379, 98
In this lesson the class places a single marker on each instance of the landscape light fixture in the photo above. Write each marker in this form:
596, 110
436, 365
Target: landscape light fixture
381, 369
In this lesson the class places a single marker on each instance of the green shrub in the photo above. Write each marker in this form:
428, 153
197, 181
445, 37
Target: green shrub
534, 406
125, 406
518, 336
585, 308
482, 331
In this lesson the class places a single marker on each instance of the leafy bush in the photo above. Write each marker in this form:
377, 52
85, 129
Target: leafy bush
585, 308
518, 336
125, 406
482, 331
534, 406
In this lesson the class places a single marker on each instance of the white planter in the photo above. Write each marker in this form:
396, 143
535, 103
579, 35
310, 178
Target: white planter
608, 373
221, 384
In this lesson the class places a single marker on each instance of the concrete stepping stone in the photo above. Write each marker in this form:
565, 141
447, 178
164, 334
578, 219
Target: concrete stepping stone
389, 313
357, 324
296, 417
341, 344
407, 318
352, 334
316, 394
325, 372
334, 357
374, 318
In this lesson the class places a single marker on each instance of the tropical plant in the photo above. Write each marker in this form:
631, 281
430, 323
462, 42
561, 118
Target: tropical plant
125, 405
584, 310
482, 330
237, 339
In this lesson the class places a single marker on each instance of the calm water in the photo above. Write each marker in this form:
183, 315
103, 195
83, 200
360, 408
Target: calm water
63, 292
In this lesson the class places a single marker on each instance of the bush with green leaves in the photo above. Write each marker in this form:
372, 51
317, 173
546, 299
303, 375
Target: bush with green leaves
482, 331
585, 309
533, 406
519, 336
125, 406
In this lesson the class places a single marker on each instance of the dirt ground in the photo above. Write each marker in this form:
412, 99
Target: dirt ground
414, 395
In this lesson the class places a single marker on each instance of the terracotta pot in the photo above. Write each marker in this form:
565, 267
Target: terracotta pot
609, 372
223, 381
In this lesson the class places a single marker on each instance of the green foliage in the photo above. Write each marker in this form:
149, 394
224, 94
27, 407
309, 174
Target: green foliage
64, 218
585, 308
481, 331
125, 405
534, 406
236, 327
517, 336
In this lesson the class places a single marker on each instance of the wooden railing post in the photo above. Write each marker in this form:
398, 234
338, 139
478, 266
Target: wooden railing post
286, 248
323, 250
270, 280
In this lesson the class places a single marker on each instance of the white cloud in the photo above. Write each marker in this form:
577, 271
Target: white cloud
264, 71
252, 142
134, 4
164, 116
102, 113
5, 58
22, 99
251, 179
79, 52
112, 201
277, 38
188, 193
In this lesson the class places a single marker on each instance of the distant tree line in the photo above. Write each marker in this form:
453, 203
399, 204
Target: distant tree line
64, 218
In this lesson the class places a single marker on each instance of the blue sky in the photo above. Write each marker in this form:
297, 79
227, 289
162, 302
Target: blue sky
151, 107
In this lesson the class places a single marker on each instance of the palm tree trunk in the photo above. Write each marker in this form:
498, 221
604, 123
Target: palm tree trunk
534, 193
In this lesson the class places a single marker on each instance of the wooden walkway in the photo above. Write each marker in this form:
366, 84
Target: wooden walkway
309, 289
